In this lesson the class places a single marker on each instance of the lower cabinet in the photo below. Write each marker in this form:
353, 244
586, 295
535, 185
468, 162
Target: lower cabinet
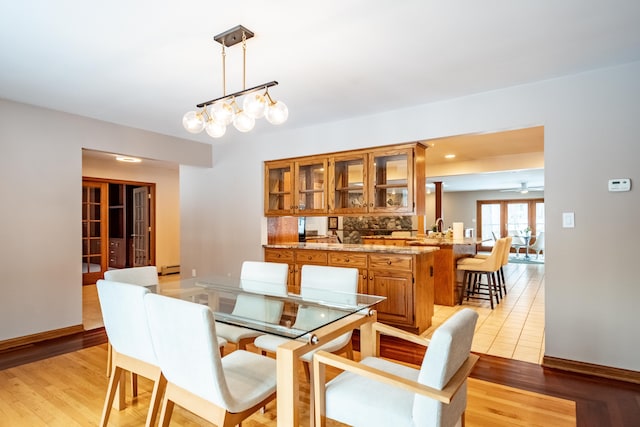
406, 280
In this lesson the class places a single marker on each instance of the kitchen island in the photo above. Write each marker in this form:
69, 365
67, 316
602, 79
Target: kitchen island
402, 274
451, 250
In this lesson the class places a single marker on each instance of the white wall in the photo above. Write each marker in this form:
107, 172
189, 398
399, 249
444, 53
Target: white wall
40, 192
591, 134
167, 200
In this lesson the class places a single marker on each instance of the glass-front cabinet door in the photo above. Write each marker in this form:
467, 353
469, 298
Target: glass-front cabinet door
391, 178
348, 189
279, 188
311, 186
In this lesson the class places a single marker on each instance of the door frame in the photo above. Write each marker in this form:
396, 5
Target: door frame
152, 211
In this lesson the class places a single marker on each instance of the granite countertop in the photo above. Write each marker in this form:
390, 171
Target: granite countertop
443, 242
407, 250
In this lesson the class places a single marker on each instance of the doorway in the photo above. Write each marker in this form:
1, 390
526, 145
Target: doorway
118, 226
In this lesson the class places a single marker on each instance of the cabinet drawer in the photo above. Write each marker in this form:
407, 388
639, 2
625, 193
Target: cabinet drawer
390, 261
278, 255
311, 257
347, 259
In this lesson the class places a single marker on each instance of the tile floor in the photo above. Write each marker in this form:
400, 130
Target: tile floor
514, 329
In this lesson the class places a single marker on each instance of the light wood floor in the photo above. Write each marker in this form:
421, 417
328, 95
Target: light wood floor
69, 390
514, 329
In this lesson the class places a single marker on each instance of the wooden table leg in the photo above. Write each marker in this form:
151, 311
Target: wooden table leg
287, 384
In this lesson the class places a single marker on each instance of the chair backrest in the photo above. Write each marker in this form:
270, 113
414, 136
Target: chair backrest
125, 319
185, 342
449, 348
143, 276
506, 250
343, 282
315, 279
494, 261
539, 243
264, 278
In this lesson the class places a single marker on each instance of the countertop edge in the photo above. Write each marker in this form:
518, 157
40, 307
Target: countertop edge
410, 250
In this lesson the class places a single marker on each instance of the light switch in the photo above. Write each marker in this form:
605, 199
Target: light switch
568, 220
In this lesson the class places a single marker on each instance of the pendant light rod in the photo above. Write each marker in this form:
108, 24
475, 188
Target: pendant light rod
240, 93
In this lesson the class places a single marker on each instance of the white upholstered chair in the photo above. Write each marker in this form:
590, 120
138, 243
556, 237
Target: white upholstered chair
146, 276
143, 276
517, 242
125, 322
538, 244
474, 268
222, 390
266, 278
379, 392
315, 279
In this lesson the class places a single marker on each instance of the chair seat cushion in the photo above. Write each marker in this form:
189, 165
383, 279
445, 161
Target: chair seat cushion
360, 401
250, 378
234, 333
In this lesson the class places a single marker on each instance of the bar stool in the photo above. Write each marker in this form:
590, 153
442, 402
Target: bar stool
502, 284
474, 268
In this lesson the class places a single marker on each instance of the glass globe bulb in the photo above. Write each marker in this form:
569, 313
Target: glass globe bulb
215, 129
277, 113
193, 122
222, 113
254, 104
243, 122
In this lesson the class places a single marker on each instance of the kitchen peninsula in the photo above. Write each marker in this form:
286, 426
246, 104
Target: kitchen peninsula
402, 274
451, 250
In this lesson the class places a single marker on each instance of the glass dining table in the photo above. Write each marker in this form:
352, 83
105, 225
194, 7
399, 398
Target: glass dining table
327, 315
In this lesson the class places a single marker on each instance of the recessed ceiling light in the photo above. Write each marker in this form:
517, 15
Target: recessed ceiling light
449, 156
128, 159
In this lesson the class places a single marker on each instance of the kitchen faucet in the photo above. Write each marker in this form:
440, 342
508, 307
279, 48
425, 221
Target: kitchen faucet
441, 222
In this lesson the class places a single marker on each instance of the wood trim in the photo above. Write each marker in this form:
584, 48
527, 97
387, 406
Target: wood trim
41, 336
591, 369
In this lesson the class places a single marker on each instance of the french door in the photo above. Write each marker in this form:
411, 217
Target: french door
94, 231
501, 218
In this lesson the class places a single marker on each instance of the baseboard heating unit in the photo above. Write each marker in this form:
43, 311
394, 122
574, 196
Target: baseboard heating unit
170, 269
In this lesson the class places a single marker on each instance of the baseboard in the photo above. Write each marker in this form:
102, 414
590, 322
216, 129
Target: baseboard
42, 336
591, 369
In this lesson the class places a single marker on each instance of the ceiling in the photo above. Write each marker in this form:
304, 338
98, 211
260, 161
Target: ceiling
145, 63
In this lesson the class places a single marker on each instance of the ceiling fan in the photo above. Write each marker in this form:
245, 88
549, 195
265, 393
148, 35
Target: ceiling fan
524, 189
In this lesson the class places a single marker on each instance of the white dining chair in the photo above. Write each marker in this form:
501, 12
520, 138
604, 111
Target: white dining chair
263, 279
379, 392
146, 276
143, 276
222, 390
315, 281
538, 244
125, 321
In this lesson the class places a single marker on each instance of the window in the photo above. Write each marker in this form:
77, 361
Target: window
508, 218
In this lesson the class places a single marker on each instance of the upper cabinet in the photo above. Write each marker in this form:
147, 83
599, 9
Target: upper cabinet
296, 186
382, 180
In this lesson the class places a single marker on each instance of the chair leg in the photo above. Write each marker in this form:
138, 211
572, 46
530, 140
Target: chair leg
159, 386
504, 282
114, 385
165, 414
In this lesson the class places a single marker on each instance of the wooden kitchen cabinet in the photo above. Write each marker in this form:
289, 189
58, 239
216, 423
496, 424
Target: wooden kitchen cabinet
387, 180
405, 279
296, 186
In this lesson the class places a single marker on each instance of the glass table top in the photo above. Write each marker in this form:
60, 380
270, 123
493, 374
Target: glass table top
262, 307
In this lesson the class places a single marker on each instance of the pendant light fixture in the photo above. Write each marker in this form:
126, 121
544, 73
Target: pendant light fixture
214, 116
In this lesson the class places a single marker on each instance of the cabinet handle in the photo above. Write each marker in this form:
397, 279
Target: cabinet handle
370, 205
389, 262
309, 258
346, 260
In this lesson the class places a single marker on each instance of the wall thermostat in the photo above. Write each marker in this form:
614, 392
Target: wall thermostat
620, 184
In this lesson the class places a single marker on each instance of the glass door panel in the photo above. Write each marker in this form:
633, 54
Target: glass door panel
311, 186
491, 224
349, 183
93, 231
279, 184
517, 218
391, 182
